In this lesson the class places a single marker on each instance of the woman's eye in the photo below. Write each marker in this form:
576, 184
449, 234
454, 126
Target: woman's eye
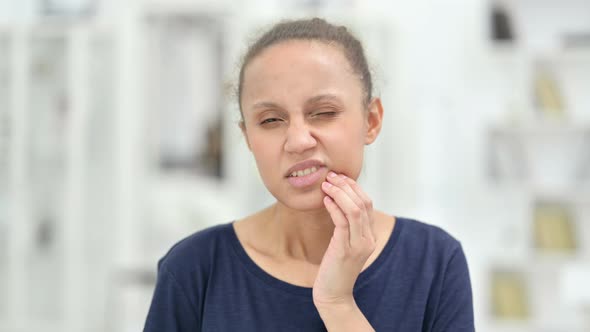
269, 120
324, 114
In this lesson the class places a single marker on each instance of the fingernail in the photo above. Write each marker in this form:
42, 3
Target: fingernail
326, 185
342, 176
331, 174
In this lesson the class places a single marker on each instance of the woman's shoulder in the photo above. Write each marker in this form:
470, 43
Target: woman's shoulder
197, 249
422, 236
423, 228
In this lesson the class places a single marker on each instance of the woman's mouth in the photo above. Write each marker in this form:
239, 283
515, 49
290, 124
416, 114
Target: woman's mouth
306, 177
304, 172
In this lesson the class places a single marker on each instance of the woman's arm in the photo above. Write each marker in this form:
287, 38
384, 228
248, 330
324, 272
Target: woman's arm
170, 310
454, 311
345, 317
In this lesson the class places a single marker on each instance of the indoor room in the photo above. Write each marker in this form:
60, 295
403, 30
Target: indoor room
123, 130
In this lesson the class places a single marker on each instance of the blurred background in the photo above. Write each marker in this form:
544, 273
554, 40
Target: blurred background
119, 136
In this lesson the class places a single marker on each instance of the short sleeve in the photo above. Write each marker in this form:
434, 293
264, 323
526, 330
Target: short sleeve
455, 308
170, 310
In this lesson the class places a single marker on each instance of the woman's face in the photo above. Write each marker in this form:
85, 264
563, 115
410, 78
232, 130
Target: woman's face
304, 116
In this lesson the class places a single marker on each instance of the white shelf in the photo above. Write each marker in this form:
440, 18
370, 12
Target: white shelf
540, 126
545, 156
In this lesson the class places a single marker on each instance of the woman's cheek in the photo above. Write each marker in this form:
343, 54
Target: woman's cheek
347, 157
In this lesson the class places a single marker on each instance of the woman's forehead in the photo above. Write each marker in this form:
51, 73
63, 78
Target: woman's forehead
306, 68
292, 52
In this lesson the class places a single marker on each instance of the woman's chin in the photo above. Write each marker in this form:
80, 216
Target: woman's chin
312, 201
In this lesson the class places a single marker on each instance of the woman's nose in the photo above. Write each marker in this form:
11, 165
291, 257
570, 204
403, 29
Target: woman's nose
299, 138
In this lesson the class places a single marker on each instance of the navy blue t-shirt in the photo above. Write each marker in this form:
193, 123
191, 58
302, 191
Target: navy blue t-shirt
207, 282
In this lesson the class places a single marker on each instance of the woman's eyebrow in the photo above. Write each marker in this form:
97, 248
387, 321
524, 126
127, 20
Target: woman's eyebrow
265, 104
313, 100
322, 98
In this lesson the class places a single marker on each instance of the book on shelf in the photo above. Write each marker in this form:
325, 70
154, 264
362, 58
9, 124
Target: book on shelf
501, 24
553, 227
509, 295
548, 97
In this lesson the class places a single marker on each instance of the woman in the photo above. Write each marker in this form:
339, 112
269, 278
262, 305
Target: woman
320, 258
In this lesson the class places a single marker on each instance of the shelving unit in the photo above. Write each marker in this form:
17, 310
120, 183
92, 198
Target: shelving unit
80, 151
546, 153
44, 228
551, 164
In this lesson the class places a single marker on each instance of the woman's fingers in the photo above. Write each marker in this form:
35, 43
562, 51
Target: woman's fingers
341, 230
349, 209
351, 205
367, 202
342, 182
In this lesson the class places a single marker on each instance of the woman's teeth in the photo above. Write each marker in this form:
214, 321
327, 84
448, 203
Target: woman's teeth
304, 172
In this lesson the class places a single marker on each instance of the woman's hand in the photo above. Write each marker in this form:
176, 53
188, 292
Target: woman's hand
351, 245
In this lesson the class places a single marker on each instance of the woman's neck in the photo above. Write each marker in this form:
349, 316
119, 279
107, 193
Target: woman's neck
299, 235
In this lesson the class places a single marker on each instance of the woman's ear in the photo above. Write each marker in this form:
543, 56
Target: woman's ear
243, 128
374, 120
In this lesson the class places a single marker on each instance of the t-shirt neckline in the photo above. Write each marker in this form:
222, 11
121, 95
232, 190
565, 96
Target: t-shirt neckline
364, 277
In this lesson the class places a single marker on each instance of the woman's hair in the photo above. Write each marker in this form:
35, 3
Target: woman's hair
312, 29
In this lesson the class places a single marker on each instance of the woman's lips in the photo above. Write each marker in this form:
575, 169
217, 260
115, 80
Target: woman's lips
309, 179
